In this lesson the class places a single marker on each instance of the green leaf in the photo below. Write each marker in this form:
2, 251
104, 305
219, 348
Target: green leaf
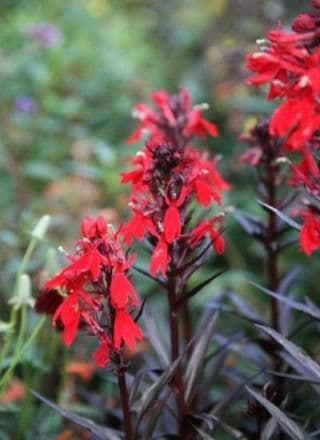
100, 432
280, 214
197, 357
150, 396
289, 426
294, 351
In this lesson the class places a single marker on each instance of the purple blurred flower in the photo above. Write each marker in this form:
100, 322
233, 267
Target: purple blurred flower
26, 104
47, 34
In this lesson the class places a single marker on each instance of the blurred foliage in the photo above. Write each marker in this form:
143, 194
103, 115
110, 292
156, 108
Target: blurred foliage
70, 73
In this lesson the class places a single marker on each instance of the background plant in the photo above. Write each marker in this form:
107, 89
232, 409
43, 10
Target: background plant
48, 154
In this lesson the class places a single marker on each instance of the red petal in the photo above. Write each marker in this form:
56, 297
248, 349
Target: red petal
126, 330
205, 194
159, 259
121, 291
70, 330
101, 355
172, 224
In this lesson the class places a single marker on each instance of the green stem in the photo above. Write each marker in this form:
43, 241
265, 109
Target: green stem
20, 353
14, 312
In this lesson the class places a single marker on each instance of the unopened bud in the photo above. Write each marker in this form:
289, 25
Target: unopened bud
24, 293
39, 231
316, 4
303, 23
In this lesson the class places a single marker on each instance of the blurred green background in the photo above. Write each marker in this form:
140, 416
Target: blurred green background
70, 73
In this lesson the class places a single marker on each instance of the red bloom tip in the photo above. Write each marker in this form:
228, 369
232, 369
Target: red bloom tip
126, 330
93, 227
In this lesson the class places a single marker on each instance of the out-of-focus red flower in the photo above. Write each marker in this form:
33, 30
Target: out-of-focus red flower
84, 370
251, 156
310, 232
15, 392
171, 114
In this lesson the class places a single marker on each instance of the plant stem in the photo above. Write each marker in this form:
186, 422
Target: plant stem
8, 338
127, 421
22, 350
272, 235
175, 351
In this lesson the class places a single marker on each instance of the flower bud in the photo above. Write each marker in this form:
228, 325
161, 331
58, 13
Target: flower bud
24, 293
316, 4
39, 231
304, 23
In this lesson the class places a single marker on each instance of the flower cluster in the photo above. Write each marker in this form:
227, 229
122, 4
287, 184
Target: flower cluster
94, 293
289, 61
174, 116
168, 176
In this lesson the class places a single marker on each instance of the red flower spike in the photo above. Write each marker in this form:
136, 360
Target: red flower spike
167, 176
94, 286
126, 330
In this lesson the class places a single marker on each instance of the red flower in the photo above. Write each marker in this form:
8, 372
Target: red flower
101, 355
205, 193
198, 233
92, 228
159, 260
69, 315
252, 156
137, 227
168, 176
126, 330
91, 289
172, 224
122, 291
198, 126
310, 233
172, 113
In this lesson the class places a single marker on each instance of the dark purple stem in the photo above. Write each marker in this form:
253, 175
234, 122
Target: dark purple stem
127, 421
175, 342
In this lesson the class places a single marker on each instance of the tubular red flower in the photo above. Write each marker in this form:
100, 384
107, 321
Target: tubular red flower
168, 176
310, 233
126, 330
89, 292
